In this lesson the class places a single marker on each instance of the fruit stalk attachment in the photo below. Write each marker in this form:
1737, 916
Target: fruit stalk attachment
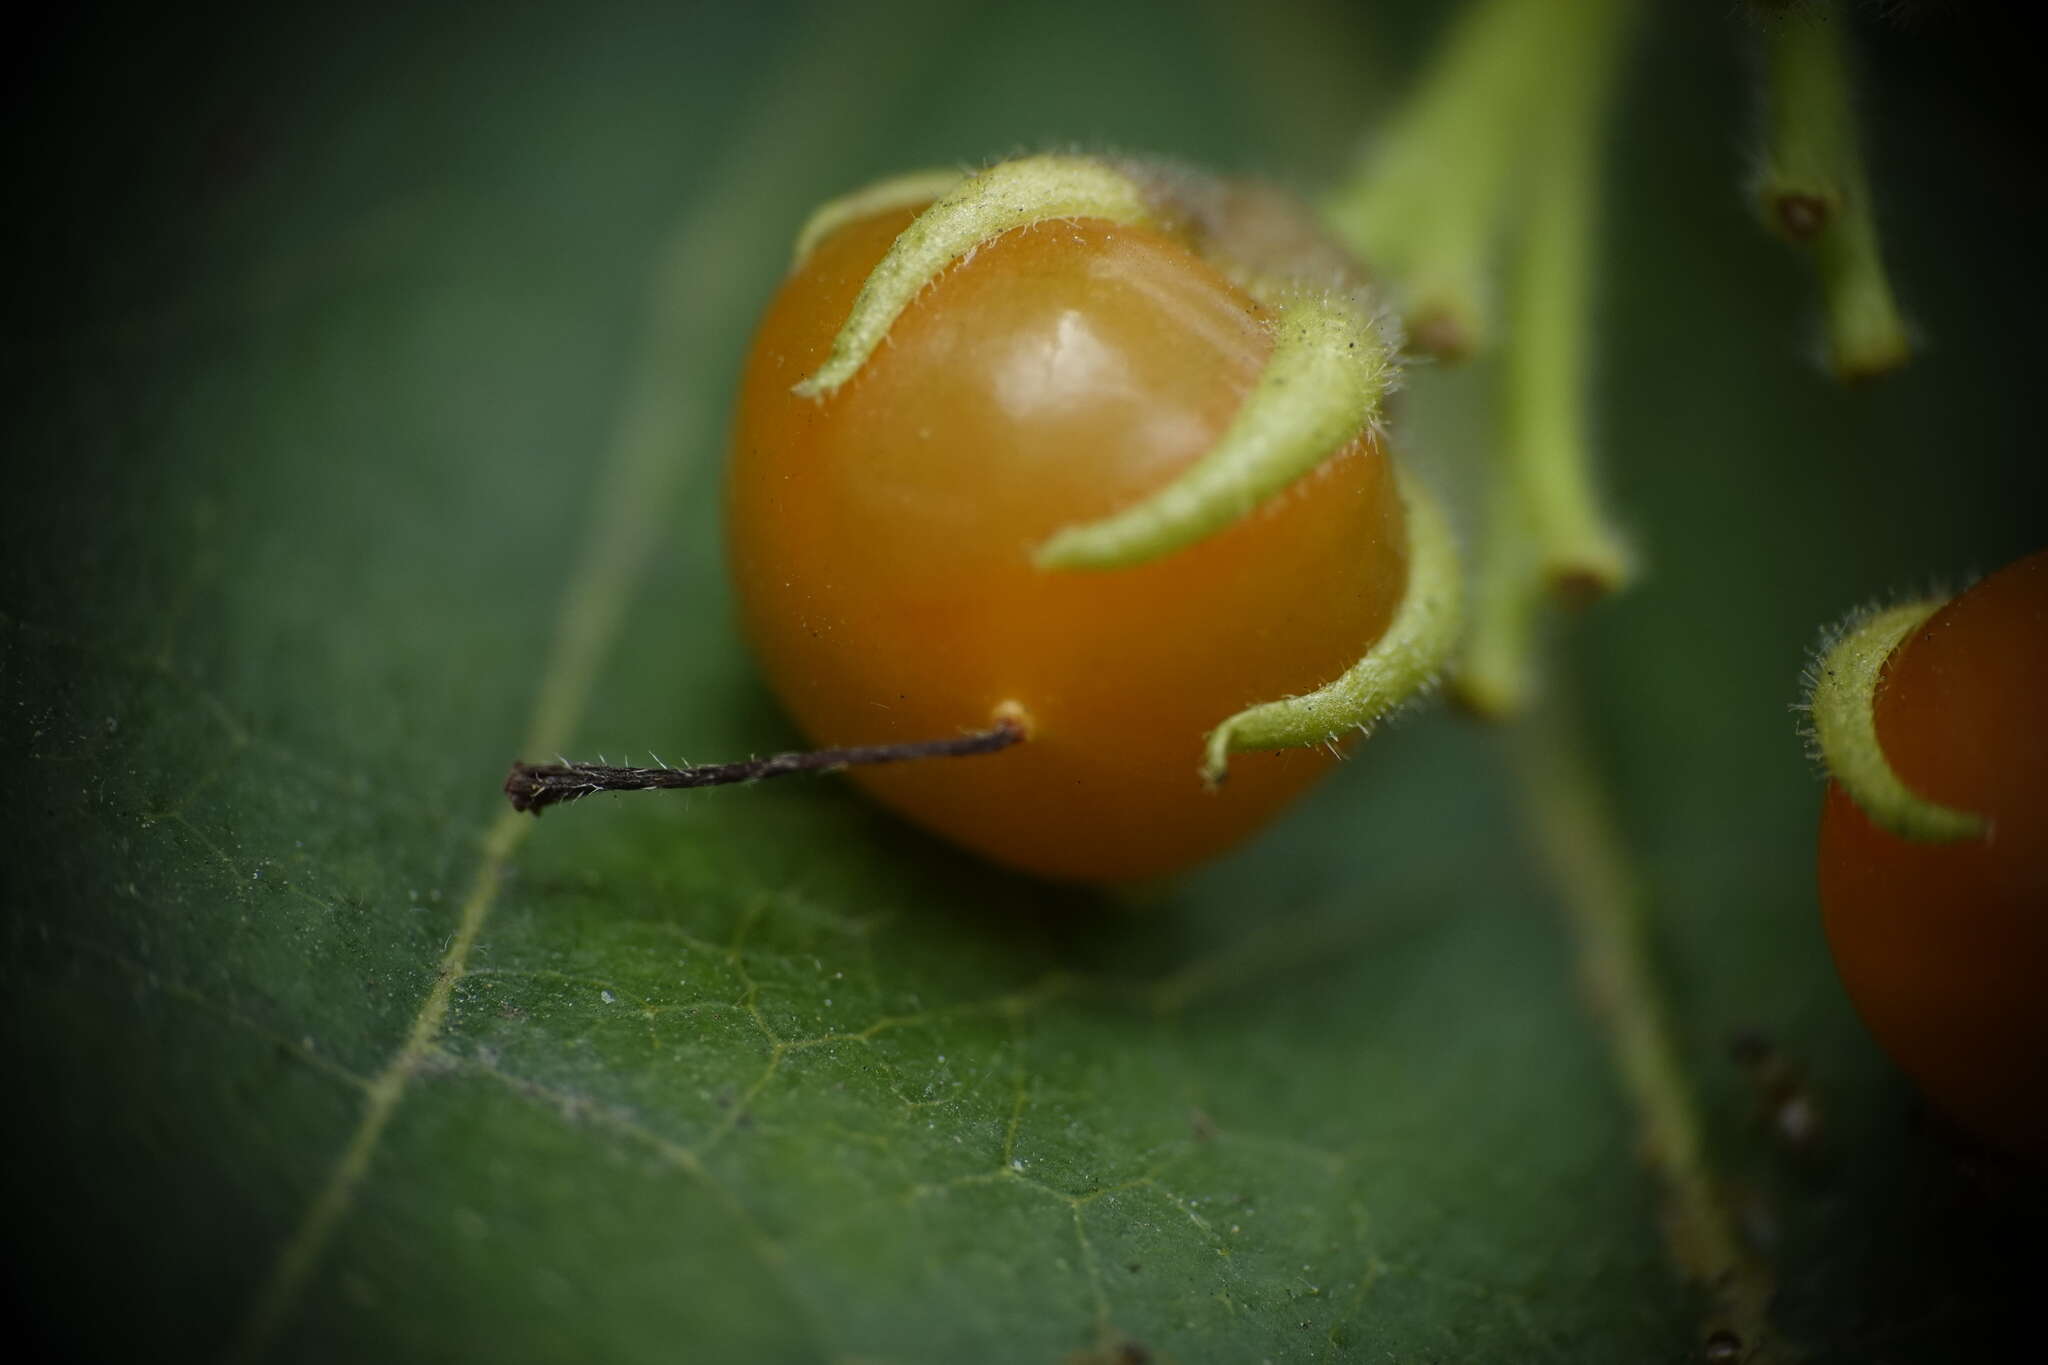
1579, 554
909, 190
536, 786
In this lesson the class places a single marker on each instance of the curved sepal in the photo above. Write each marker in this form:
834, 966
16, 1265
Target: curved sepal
1320, 388
1842, 704
1011, 194
1402, 662
903, 191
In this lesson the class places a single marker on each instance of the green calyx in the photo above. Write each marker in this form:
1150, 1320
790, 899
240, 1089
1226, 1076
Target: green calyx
1011, 194
1401, 664
1320, 389
1842, 704
908, 190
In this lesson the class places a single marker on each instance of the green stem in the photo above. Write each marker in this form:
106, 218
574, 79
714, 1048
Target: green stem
1546, 380
1813, 189
1497, 666
1573, 824
1866, 333
1545, 530
1424, 208
1810, 156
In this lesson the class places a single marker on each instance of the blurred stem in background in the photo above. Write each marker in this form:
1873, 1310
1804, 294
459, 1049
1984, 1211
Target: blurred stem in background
1500, 154
1812, 189
1571, 820
1496, 668
1545, 533
1424, 207
1550, 305
1500, 149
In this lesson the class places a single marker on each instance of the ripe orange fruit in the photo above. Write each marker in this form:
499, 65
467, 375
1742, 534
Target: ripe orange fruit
1944, 947
880, 543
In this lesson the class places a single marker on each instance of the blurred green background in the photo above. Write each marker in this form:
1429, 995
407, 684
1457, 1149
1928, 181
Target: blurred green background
336, 338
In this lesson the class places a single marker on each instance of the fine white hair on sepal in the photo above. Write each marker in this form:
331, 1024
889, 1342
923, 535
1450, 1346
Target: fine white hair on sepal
1842, 716
1935, 588
1406, 659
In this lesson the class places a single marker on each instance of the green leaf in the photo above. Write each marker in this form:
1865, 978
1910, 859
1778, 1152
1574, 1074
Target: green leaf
369, 379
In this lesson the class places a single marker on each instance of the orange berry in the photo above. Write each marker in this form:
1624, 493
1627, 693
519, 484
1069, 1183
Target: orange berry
1944, 947
880, 542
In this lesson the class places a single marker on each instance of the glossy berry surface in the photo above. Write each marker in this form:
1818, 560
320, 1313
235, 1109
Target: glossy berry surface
880, 544
1944, 947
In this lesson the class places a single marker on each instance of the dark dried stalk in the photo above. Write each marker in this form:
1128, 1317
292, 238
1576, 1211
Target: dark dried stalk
536, 786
